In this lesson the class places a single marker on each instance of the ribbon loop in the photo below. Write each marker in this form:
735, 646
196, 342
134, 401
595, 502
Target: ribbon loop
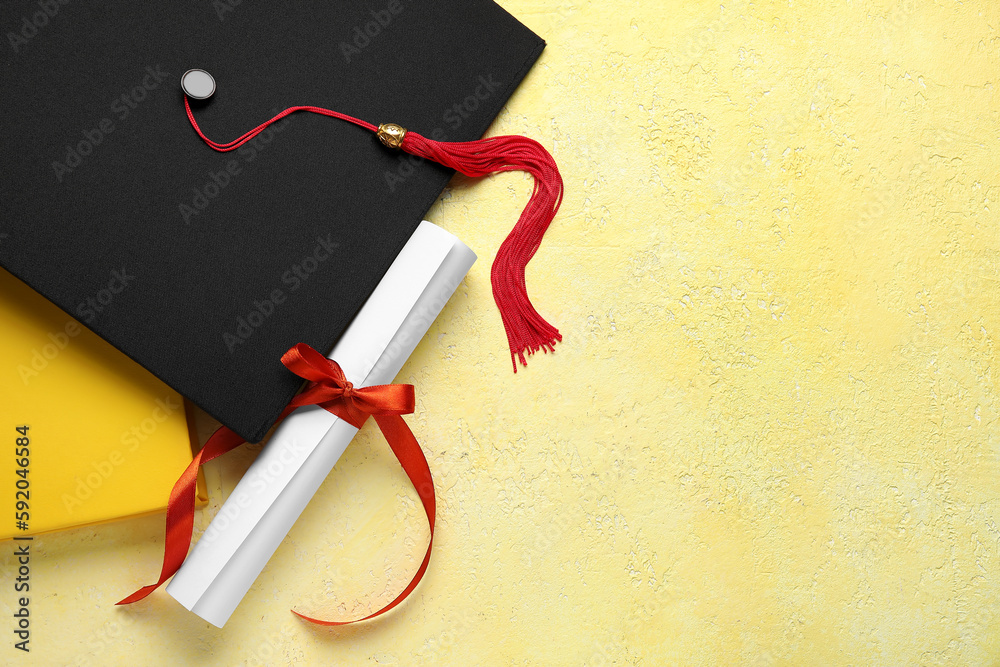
330, 389
309, 364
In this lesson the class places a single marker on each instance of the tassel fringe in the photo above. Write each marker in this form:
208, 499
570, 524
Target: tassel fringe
527, 331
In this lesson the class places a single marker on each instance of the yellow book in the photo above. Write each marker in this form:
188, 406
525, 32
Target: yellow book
86, 434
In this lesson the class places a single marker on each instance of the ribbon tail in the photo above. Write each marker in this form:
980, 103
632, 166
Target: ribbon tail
180, 508
406, 448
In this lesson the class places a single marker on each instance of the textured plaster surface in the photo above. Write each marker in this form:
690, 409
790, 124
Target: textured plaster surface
770, 436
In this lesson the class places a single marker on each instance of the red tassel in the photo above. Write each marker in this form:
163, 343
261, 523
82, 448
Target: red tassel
527, 331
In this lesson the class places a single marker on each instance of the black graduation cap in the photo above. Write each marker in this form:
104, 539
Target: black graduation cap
206, 266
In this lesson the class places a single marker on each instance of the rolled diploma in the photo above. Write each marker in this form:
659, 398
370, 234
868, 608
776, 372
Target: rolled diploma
286, 474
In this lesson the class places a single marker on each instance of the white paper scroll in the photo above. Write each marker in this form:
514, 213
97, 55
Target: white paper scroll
303, 450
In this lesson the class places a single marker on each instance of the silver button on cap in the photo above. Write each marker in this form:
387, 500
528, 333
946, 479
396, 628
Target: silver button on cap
198, 84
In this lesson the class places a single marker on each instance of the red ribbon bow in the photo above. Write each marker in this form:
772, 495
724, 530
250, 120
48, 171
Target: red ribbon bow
329, 389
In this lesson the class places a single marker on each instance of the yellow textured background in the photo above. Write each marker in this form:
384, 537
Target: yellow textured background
770, 436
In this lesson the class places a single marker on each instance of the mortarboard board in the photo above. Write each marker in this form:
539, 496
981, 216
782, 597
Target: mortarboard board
205, 267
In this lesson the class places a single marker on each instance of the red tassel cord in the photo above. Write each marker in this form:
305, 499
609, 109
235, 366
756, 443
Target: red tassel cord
527, 331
